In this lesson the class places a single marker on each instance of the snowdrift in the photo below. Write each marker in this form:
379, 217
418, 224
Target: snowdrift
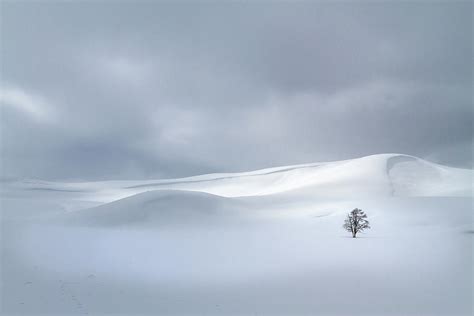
169, 207
234, 244
219, 197
411, 176
376, 175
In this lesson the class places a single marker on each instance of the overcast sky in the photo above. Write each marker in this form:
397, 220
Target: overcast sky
103, 90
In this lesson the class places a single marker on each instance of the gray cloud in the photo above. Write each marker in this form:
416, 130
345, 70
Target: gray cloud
143, 90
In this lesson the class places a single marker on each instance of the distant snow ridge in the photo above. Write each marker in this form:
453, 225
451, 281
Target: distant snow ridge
231, 196
376, 175
380, 175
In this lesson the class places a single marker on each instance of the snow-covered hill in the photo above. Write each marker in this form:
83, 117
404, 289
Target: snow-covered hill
161, 208
267, 242
376, 175
296, 187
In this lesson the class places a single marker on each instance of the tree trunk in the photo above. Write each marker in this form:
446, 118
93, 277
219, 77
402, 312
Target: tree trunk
354, 234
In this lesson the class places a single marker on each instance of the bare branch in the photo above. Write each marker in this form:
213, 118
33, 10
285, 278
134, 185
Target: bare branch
356, 222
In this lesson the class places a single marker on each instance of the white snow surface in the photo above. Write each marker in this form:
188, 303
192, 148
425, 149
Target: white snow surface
376, 175
266, 242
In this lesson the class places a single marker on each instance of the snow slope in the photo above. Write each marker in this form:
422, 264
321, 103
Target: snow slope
384, 175
160, 207
292, 266
376, 175
266, 242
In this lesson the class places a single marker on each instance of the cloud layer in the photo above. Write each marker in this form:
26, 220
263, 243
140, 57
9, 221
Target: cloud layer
144, 90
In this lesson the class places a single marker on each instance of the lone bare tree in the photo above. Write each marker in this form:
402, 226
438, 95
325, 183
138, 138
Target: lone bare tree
356, 221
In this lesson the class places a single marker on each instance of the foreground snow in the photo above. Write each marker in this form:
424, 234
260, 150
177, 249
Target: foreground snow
267, 242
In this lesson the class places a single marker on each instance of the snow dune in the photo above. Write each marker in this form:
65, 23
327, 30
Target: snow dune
160, 207
376, 175
266, 242
202, 199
